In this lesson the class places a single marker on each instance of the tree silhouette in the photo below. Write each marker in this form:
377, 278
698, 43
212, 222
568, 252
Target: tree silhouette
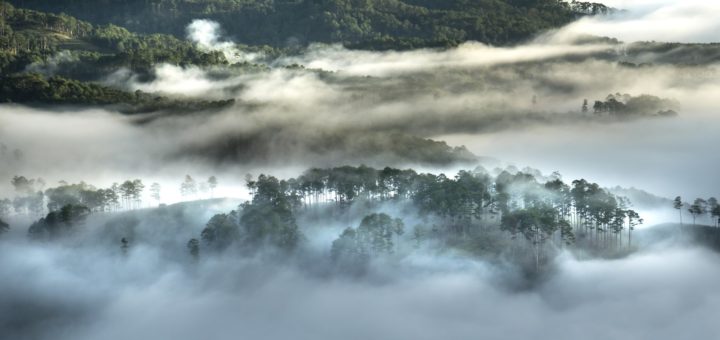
714, 210
212, 184
124, 245
155, 191
698, 208
194, 247
188, 187
678, 204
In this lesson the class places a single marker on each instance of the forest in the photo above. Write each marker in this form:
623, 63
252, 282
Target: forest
373, 24
50, 58
28, 36
511, 213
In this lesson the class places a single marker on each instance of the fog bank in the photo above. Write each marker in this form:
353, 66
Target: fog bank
86, 292
687, 21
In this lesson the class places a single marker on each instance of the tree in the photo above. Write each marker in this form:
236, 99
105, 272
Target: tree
537, 224
599, 107
349, 251
58, 223
188, 187
111, 197
155, 190
714, 210
377, 230
354, 248
633, 221
716, 215
250, 183
137, 191
124, 245
698, 208
269, 218
127, 192
194, 247
585, 106
212, 183
4, 227
221, 231
678, 204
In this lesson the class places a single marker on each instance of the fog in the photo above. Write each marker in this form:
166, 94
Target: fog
522, 112
83, 287
429, 109
689, 21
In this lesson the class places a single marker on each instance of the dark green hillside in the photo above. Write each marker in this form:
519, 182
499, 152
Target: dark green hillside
28, 36
375, 24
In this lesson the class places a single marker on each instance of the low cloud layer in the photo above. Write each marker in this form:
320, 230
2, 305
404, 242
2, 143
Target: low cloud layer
526, 113
517, 104
85, 288
688, 21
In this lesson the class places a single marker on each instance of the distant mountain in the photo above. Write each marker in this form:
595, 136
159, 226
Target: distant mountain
674, 234
372, 24
642, 199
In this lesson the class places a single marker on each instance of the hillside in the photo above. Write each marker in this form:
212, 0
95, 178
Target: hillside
28, 36
373, 24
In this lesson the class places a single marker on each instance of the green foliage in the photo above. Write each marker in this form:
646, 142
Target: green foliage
57, 90
34, 88
58, 223
74, 194
536, 224
373, 238
28, 37
698, 208
375, 24
194, 248
463, 207
625, 105
269, 218
221, 231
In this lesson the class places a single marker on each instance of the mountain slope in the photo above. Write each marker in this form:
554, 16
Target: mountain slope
28, 36
375, 24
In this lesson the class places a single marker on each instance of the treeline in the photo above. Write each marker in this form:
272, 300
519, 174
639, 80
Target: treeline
536, 215
517, 214
373, 24
625, 105
699, 208
32, 198
33, 88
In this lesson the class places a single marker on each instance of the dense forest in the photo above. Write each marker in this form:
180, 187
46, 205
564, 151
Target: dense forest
34, 45
56, 59
374, 24
508, 215
28, 36
521, 215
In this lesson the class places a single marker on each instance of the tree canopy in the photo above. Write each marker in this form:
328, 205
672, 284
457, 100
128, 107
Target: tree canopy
373, 24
